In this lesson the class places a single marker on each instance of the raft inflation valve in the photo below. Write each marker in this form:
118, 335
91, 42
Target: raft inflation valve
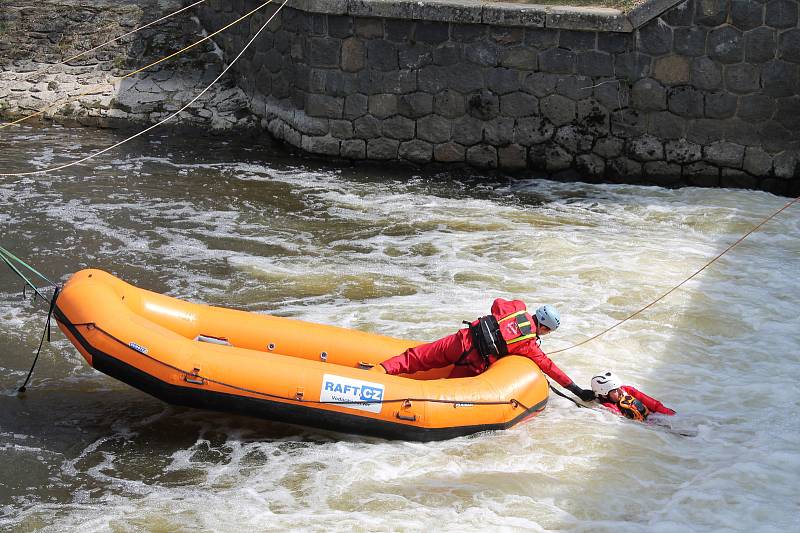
323, 357
271, 346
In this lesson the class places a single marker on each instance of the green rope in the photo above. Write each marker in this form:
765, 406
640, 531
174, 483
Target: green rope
3, 251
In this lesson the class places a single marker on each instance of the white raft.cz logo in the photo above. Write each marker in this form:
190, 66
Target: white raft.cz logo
365, 396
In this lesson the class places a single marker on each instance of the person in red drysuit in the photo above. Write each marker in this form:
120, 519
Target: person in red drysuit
626, 400
509, 330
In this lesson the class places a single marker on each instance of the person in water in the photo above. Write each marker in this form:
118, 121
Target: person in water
508, 330
626, 400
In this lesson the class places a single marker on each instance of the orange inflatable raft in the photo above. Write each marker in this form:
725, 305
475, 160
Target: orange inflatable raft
283, 369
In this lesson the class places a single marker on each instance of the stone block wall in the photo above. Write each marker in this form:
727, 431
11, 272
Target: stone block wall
703, 92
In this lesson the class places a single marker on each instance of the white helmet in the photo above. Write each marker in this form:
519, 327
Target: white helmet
547, 315
604, 383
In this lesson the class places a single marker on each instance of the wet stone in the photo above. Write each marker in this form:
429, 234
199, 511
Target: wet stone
512, 157
738, 179
557, 61
646, 148
353, 55
499, 131
701, 174
672, 70
416, 151
789, 113
787, 165
655, 38
540, 83
726, 44
742, 78
662, 173
779, 78
382, 149
590, 165
503, 80
682, 151
383, 105
433, 128
415, 105
467, 130
757, 162
666, 125
321, 145
353, 149
747, 14
648, 95
519, 57
594, 63
382, 55
558, 109
398, 127
519, 104
609, 147
760, 45
482, 156
366, 127
483, 105
706, 74
633, 65
690, 41
532, 130
710, 12
482, 53
449, 103
781, 14
686, 102
415, 55
724, 154
355, 105
320, 105
789, 46
720, 105
450, 152
756, 108
557, 158
447, 54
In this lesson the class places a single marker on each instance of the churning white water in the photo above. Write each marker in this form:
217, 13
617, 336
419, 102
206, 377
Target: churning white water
242, 224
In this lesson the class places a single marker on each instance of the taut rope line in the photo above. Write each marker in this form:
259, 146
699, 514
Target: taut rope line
68, 99
159, 123
99, 46
676, 287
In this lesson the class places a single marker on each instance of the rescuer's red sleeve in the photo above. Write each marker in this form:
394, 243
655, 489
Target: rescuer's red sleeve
532, 351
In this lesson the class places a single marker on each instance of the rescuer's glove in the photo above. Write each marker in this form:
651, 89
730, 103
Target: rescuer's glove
584, 394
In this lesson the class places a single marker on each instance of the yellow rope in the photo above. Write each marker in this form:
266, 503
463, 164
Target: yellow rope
676, 287
99, 46
68, 99
175, 114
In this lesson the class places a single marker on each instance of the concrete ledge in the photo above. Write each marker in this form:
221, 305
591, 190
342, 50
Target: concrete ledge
641, 15
588, 19
498, 13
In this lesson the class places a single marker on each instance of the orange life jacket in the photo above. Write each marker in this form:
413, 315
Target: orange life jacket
632, 408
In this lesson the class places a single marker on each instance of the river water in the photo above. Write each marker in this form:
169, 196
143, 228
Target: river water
241, 223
